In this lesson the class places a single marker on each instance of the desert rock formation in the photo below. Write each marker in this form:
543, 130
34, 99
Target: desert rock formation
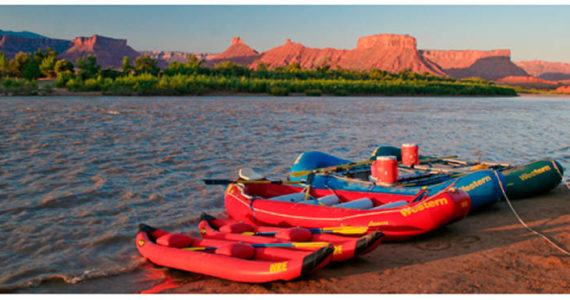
109, 52
10, 45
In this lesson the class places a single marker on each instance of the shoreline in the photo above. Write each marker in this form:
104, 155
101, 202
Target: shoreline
488, 252
60, 92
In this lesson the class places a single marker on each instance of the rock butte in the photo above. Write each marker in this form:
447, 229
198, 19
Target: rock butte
109, 52
389, 52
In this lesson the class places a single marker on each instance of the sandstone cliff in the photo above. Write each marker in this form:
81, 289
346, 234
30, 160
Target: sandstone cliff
109, 52
490, 65
546, 70
238, 53
389, 52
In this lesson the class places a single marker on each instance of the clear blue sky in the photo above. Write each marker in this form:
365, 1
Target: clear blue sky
531, 32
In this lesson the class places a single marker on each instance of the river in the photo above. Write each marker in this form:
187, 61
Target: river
77, 174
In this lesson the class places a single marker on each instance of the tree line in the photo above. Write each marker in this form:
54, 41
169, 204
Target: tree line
144, 77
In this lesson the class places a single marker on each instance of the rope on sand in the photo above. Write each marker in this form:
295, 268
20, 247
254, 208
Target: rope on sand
523, 223
560, 173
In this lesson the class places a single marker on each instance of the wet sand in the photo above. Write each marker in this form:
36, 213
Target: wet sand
488, 252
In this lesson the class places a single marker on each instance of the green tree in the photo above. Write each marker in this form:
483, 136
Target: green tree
324, 65
194, 62
63, 65
88, 67
261, 66
228, 68
3, 65
146, 65
41, 54
293, 67
17, 64
31, 70
127, 68
47, 67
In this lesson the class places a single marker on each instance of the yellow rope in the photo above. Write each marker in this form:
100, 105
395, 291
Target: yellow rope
523, 223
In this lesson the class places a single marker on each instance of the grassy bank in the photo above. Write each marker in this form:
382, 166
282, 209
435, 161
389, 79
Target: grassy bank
147, 84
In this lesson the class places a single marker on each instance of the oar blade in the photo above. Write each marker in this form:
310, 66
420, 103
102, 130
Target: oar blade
348, 230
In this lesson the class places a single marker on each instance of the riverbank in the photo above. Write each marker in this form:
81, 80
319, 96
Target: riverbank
489, 252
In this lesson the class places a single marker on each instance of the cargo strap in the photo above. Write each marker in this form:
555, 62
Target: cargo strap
523, 223
251, 207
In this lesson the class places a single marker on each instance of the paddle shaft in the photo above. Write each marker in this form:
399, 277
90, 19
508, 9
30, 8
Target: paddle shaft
272, 245
228, 181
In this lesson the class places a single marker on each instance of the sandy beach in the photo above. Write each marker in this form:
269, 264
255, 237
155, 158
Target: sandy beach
488, 252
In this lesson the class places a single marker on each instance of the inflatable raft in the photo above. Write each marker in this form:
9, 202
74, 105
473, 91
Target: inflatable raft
482, 186
398, 216
526, 180
226, 259
345, 247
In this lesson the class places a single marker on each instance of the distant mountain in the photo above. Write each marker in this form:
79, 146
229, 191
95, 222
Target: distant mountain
389, 52
109, 51
10, 45
25, 34
238, 53
175, 56
490, 65
546, 70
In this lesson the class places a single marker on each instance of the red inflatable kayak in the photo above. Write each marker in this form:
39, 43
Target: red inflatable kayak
267, 204
345, 247
226, 259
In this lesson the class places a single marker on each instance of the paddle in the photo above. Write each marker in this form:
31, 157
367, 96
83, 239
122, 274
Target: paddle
349, 230
338, 168
229, 181
479, 162
272, 245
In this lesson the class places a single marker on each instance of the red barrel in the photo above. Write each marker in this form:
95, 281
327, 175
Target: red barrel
410, 154
385, 169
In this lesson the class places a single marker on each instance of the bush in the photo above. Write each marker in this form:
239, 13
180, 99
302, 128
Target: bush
315, 92
63, 78
340, 92
278, 91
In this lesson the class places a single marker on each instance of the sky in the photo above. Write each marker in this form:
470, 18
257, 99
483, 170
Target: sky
531, 32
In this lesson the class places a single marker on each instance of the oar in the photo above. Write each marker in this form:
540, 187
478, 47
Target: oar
229, 181
354, 164
349, 230
271, 245
432, 170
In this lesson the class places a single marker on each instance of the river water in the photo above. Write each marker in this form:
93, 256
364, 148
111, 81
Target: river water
77, 174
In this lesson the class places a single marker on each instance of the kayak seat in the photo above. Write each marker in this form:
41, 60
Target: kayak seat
391, 205
363, 203
295, 197
237, 227
174, 240
239, 250
295, 234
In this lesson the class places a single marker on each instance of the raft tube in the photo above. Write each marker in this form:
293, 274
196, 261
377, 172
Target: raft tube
345, 247
416, 214
259, 265
482, 186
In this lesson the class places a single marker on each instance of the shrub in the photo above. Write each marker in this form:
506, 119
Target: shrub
313, 92
279, 91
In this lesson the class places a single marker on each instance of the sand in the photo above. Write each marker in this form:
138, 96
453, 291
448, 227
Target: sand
488, 252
